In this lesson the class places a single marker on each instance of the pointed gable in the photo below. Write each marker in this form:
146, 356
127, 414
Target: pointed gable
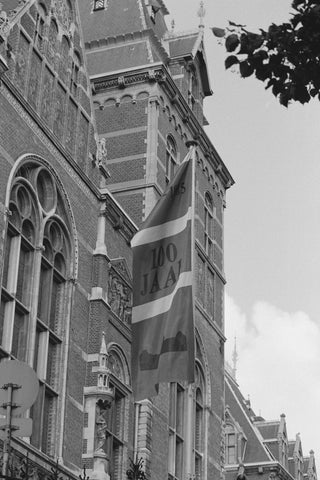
189, 45
310, 471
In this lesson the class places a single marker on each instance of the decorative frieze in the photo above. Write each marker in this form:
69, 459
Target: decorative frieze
120, 291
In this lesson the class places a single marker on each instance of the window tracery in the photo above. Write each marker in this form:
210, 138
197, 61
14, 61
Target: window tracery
34, 286
116, 419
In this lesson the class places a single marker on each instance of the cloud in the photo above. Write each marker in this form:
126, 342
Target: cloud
278, 366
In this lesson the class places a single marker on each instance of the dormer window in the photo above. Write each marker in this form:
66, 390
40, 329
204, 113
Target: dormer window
231, 454
98, 5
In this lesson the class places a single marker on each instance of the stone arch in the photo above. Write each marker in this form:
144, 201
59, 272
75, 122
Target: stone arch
142, 95
200, 349
115, 349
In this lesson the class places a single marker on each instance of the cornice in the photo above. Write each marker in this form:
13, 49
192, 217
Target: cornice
160, 74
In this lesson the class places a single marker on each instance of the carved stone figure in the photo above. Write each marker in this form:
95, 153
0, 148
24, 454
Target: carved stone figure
101, 425
101, 153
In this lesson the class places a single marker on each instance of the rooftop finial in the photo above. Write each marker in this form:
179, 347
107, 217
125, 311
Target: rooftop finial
201, 14
235, 357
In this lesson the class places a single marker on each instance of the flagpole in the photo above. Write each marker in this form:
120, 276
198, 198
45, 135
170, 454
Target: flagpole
189, 459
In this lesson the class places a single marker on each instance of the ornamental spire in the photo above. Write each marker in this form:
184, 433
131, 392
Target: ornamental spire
201, 14
235, 357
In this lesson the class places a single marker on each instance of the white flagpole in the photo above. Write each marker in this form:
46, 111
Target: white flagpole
189, 458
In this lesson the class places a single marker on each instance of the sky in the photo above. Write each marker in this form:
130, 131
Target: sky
272, 225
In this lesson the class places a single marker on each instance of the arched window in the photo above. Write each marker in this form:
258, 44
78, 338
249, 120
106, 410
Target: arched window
176, 430
171, 158
75, 68
33, 293
52, 40
117, 428
40, 25
64, 61
199, 396
208, 225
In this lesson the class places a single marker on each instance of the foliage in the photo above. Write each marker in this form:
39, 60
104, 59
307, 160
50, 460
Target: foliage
286, 57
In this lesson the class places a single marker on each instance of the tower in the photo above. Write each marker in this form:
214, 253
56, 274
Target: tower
149, 84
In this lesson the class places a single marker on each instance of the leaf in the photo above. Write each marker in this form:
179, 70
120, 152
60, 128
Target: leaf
261, 55
236, 24
284, 99
232, 41
255, 41
262, 72
231, 60
218, 32
246, 69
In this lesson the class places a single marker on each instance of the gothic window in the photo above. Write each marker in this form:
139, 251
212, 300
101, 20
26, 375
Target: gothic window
52, 40
116, 415
176, 430
33, 315
74, 79
192, 90
208, 225
171, 159
230, 445
64, 62
199, 395
40, 26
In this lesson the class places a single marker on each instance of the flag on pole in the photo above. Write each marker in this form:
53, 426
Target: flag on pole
162, 313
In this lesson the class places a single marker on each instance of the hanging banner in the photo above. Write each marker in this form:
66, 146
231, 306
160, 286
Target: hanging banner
162, 314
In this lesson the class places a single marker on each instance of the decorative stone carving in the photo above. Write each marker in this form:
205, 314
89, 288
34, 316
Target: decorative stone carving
63, 12
119, 297
101, 154
102, 407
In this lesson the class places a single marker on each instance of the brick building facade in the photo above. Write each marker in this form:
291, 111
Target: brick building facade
97, 101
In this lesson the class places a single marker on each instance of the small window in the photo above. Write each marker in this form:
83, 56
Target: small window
208, 226
171, 159
39, 30
98, 5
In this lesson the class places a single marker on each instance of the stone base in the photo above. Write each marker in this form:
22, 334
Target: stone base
100, 467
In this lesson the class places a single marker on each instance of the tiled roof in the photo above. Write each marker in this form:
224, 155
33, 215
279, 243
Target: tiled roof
291, 446
274, 449
120, 17
117, 58
179, 47
269, 429
255, 451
